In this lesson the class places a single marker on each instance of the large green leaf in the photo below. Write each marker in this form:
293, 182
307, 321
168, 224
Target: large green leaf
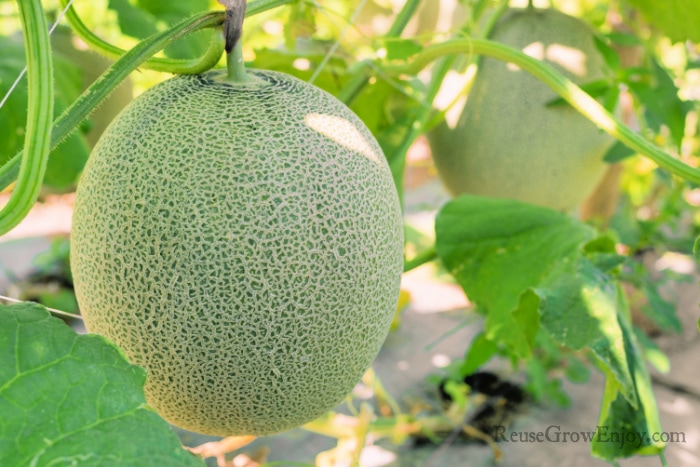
69, 399
626, 429
579, 309
678, 19
66, 161
497, 249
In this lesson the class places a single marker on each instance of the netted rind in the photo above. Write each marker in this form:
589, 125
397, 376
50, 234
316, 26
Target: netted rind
243, 243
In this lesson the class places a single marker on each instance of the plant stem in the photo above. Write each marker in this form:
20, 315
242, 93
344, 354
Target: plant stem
38, 132
236, 66
68, 121
404, 17
110, 79
233, 29
576, 97
424, 120
169, 65
421, 258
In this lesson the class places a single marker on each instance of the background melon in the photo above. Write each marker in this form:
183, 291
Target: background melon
244, 243
507, 142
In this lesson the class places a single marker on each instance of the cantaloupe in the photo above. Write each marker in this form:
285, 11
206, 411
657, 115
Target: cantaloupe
508, 143
244, 243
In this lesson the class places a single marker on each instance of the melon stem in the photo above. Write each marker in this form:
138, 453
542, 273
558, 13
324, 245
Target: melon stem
236, 66
233, 29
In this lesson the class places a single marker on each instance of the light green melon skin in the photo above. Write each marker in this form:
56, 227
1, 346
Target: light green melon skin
507, 143
249, 262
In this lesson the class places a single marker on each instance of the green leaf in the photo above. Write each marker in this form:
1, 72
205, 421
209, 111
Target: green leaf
67, 161
661, 312
622, 38
623, 429
662, 103
576, 371
142, 18
652, 353
542, 387
696, 249
480, 351
617, 152
132, 21
602, 253
579, 309
611, 58
497, 249
401, 49
301, 24
68, 399
677, 19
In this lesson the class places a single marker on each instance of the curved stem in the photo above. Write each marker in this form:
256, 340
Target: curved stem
178, 66
109, 80
576, 97
169, 65
421, 258
38, 131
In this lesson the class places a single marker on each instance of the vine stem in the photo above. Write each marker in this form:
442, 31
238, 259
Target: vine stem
110, 79
38, 131
426, 116
576, 97
169, 65
421, 258
233, 30
236, 66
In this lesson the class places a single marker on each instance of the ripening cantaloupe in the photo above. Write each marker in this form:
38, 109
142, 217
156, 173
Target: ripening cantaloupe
508, 143
242, 241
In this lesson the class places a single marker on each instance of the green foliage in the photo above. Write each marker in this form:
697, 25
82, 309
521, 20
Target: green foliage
480, 351
66, 162
662, 103
628, 418
677, 19
533, 270
499, 249
142, 18
70, 399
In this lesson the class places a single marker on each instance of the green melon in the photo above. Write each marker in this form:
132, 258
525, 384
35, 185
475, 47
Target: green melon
507, 142
244, 243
